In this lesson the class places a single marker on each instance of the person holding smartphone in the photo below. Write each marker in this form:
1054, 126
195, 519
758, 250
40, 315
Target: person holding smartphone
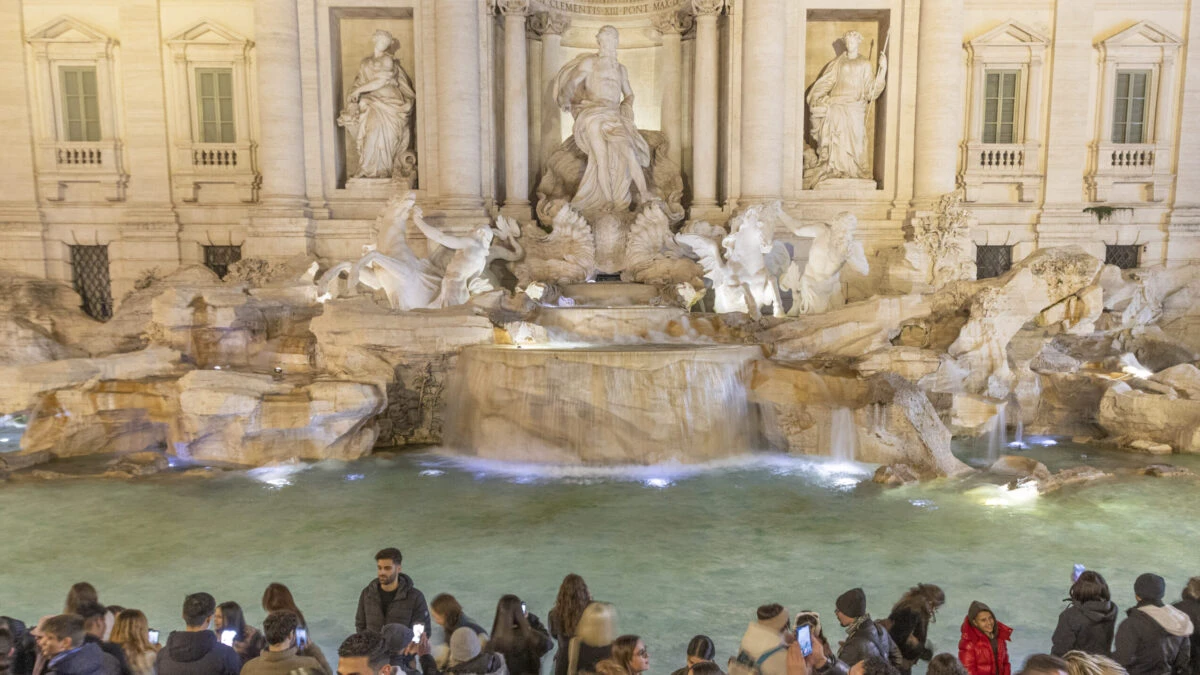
284, 635
1089, 623
519, 637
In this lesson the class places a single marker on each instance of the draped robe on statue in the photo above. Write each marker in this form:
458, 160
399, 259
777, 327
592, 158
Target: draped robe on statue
838, 103
381, 128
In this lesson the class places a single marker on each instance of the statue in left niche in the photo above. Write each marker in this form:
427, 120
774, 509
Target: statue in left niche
378, 114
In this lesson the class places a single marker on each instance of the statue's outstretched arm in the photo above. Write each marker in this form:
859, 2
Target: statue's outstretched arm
808, 231
438, 237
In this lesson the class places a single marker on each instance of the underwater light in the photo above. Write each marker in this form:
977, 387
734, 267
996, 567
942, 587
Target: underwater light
1022, 494
657, 482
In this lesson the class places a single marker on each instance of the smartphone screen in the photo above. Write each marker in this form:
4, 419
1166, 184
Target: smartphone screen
153, 636
804, 638
523, 610
1079, 570
227, 637
301, 636
418, 631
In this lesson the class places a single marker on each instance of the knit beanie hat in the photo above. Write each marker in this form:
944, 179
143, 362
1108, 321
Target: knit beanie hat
464, 645
1151, 588
852, 603
774, 617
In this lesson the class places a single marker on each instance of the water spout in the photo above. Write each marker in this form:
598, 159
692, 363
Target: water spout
843, 436
997, 434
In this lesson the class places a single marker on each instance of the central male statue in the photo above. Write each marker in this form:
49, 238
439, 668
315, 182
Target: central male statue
595, 89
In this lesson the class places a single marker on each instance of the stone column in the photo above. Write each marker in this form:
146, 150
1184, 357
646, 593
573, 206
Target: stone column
1183, 226
939, 101
22, 223
459, 115
279, 227
672, 26
550, 25
704, 108
764, 36
516, 110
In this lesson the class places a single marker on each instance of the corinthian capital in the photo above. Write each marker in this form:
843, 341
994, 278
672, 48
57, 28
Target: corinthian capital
707, 7
513, 7
678, 22
549, 23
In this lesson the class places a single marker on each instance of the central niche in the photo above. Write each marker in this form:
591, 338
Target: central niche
845, 87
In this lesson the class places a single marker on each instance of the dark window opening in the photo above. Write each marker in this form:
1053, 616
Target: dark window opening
992, 261
219, 258
89, 275
1124, 256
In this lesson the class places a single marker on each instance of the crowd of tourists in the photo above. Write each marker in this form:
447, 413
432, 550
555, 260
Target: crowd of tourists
398, 633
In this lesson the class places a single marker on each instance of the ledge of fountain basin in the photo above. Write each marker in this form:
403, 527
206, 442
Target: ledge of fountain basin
611, 294
808, 383
650, 356
618, 324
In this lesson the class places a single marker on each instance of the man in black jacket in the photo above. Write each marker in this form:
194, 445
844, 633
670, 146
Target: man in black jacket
1154, 640
196, 650
93, 624
391, 597
61, 640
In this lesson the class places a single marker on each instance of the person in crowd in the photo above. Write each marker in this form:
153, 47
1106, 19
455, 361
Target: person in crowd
1088, 624
594, 635
1082, 663
699, 650
83, 593
8, 648
467, 656
93, 625
763, 647
1044, 664
1155, 638
196, 650
448, 616
279, 630
248, 642
61, 640
278, 598
573, 597
131, 632
630, 655
945, 664
364, 653
811, 618
390, 597
908, 623
519, 637
1190, 605
707, 668
25, 651
864, 637
983, 647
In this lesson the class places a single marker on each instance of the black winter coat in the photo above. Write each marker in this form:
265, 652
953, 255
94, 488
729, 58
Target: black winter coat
408, 607
87, 660
196, 653
112, 650
1086, 627
525, 659
24, 646
1192, 609
1154, 641
869, 640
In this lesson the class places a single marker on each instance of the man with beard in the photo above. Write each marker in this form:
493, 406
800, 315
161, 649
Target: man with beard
391, 597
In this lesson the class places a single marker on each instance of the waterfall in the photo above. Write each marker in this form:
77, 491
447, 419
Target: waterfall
997, 434
843, 436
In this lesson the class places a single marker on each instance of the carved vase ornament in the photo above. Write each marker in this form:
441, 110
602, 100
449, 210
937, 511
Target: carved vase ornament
378, 114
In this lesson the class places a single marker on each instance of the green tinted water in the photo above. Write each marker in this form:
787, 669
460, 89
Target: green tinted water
679, 552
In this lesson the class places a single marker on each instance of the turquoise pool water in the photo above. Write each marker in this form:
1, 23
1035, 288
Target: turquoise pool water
679, 551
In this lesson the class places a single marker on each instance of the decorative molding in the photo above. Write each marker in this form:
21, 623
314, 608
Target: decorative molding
707, 7
548, 23
677, 22
512, 7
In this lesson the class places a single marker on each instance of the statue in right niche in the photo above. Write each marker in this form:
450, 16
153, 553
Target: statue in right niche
837, 104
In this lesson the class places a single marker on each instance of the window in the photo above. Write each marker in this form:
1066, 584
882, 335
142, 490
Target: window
1129, 106
214, 100
219, 258
1000, 106
1124, 256
89, 275
992, 261
80, 103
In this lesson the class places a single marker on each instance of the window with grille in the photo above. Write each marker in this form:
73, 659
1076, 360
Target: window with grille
1000, 106
219, 258
214, 102
1129, 106
80, 104
1122, 255
992, 261
89, 274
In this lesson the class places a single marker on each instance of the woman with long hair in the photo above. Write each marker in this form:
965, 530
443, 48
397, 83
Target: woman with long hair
1090, 621
699, 650
594, 636
519, 637
279, 598
131, 632
573, 598
630, 655
248, 641
908, 623
82, 594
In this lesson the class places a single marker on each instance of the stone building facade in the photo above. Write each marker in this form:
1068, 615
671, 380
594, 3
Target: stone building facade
142, 135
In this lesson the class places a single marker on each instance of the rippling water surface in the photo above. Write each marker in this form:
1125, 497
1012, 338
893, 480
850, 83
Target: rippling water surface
679, 550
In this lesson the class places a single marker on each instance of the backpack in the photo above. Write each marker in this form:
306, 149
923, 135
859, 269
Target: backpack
744, 664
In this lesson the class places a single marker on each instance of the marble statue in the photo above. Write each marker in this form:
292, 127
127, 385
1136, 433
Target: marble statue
838, 103
744, 267
448, 277
834, 247
595, 89
565, 255
378, 114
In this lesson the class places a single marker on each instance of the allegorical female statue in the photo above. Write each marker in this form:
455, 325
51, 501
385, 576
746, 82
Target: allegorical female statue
838, 103
378, 112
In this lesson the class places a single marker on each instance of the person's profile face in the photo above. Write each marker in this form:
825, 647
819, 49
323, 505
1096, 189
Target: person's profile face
218, 620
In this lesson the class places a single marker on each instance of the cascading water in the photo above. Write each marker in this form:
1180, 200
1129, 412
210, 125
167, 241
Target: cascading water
843, 435
997, 435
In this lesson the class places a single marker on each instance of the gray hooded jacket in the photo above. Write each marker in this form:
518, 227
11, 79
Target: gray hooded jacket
1154, 640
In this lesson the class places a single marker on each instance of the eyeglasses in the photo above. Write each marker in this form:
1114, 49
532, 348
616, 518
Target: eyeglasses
643, 653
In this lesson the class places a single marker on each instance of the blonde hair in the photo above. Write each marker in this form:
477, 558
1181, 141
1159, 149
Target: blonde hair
597, 627
131, 631
1082, 663
1192, 590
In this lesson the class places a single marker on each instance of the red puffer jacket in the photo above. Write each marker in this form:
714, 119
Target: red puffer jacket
975, 650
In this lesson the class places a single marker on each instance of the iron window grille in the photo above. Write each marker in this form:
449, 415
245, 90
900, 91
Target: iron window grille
89, 275
1124, 256
219, 258
992, 261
